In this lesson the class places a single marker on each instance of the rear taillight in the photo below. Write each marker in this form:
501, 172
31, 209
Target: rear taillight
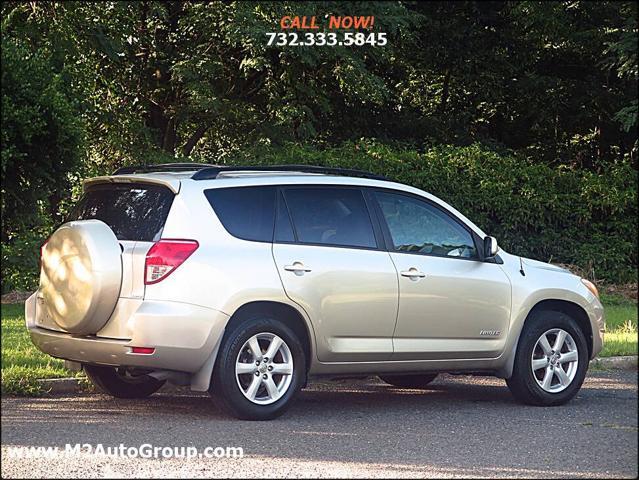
164, 257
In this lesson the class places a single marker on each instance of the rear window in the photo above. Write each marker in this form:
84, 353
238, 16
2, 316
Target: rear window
330, 216
133, 211
246, 212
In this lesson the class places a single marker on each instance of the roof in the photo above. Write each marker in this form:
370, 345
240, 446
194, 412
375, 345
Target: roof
176, 180
173, 180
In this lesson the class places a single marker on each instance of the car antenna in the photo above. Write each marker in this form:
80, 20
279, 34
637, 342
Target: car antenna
521, 267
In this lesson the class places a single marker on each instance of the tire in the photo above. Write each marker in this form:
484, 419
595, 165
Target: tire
81, 276
111, 381
409, 381
233, 390
531, 388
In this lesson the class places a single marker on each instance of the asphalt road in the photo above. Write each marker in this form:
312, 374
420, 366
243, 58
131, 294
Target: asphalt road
463, 426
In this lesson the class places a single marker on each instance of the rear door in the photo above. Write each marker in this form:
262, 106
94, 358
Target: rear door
328, 255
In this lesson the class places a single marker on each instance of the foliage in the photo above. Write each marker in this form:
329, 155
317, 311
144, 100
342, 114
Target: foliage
22, 363
622, 57
42, 138
557, 79
41, 134
549, 213
20, 258
539, 88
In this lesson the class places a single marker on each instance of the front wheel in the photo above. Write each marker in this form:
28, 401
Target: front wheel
551, 360
260, 368
119, 383
409, 381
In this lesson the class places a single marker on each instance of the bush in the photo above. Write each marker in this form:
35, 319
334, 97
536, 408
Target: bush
551, 214
534, 210
20, 260
42, 146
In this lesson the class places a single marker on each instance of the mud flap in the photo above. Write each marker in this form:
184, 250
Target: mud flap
201, 379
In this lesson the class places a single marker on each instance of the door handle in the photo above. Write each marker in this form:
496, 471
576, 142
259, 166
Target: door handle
412, 273
298, 268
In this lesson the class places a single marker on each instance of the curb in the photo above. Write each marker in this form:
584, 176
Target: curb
60, 385
72, 385
626, 362
56, 386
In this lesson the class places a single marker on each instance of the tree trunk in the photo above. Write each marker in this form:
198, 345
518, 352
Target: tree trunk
170, 136
445, 92
192, 141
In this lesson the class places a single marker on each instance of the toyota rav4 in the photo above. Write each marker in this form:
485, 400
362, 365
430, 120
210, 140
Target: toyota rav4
245, 281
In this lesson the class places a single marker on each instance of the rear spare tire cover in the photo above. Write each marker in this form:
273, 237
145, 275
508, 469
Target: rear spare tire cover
81, 275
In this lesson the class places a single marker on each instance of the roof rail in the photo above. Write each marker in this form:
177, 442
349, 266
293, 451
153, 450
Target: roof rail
162, 167
212, 172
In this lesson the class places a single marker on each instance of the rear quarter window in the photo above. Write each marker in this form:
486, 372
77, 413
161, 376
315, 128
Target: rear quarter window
246, 212
133, 211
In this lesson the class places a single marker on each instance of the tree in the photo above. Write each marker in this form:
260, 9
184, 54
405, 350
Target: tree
88, 87
42, 137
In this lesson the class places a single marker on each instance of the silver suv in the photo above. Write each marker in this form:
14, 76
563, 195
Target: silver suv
243, 281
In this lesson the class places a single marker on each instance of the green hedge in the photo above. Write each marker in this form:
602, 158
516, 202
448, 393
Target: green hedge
551, 214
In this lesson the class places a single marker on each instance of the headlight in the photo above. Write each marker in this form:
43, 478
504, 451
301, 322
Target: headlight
590, 286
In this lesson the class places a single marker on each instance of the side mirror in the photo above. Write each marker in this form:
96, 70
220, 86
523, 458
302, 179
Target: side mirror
490, 247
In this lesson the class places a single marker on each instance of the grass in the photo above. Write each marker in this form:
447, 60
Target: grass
621, 326
23, 364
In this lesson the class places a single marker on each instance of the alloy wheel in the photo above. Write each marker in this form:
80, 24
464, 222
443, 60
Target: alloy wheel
264, 368
554, 360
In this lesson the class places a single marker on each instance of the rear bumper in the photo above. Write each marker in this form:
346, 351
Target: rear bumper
183, 336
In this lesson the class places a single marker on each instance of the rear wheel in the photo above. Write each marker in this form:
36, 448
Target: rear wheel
120, 383
260, 368
551, 360
409, 381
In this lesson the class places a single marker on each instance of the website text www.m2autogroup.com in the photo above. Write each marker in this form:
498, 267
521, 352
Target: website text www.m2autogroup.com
145, 450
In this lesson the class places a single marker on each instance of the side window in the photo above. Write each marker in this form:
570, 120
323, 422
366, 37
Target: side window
283, 227
330, 216
417, 226
246, 212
